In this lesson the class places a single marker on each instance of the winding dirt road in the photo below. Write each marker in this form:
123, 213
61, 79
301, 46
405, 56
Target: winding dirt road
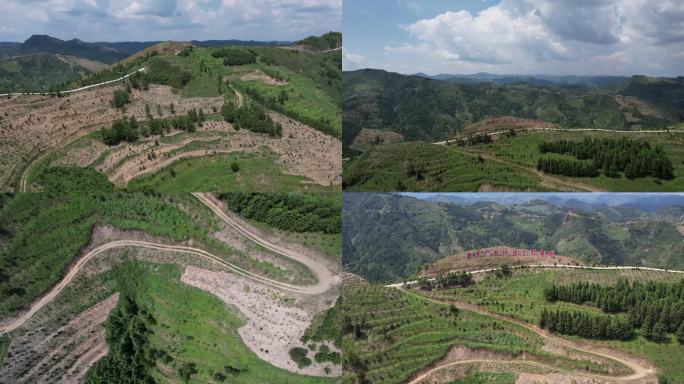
325, 278
639, 371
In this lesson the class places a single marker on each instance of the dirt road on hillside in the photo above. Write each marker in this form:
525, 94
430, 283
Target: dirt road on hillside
546, 178
639, 370
325, 277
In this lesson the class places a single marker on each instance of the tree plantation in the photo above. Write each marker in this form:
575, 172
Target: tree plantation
656, 307
634, 158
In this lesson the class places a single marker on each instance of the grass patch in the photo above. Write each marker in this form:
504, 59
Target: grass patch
196, 331
259, 172
487, 378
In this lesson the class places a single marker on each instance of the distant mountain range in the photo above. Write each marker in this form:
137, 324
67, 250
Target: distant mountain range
388, 237
583, 201
591, 81
421, 108
104, 52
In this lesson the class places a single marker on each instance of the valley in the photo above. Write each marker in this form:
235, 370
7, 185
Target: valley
501, 147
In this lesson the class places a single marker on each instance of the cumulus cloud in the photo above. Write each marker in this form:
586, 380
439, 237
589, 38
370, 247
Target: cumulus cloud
117, 20
576, 36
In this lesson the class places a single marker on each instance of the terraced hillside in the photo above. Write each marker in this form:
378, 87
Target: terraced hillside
395, 336
187, 119
522, 297
117, 290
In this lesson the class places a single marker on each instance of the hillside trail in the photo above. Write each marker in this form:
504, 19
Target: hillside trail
639, 371
124, 77
546, 178
324, 276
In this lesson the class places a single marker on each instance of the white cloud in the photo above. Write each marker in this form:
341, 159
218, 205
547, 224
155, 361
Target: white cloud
543, 36
108, 20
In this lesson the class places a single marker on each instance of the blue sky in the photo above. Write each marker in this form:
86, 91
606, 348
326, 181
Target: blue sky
575, 37
140, 20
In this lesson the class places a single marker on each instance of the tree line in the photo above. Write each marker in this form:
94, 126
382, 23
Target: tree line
655, 307
235, 56
567, 167
446, 281
250, 116
288, 211
130, 130
130, 355
634, 158
277, 104
583, 324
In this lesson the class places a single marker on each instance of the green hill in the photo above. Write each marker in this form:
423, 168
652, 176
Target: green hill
330, 40
425, 109
42, 71
387, 237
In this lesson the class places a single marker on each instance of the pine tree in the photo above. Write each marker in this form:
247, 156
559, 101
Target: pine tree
680, 333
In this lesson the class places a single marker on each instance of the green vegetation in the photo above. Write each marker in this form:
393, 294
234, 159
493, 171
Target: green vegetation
161, 71
324, 354
523, 297
656, 307
45, 232
389, 237
586, 325
524, 149
38, 73
259, 172
426, 167
252, 117
568, 167
235, 56
121, 130
294, 212
121, 98
183, 335
382, 100
4, 346
330, 40
298, 355
634, 158
487, 378
388, 334
66, 180
130, 356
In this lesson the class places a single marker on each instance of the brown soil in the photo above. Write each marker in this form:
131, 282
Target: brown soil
458, 262
273, 325
260, 76
30, 125
368, 136
62, 355
504, 123
82, 156
302, 150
